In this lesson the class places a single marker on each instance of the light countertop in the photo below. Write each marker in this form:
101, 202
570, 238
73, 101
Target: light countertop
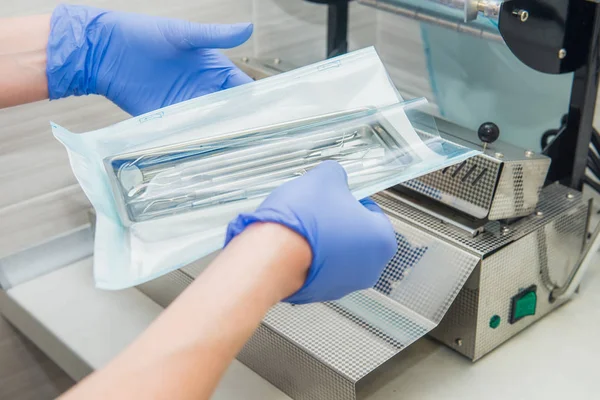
82, 328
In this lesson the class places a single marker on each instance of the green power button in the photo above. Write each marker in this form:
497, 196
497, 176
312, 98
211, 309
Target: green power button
523, 304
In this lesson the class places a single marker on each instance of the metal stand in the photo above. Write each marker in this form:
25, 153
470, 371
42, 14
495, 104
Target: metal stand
569, 151
560, 37
337, 26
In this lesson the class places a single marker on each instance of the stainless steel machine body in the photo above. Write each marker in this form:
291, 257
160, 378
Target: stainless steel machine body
533, 255
502, 183
485, 230
325, 351
483, 247
496, 241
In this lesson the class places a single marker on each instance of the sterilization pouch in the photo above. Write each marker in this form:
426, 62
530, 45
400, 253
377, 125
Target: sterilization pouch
165, 185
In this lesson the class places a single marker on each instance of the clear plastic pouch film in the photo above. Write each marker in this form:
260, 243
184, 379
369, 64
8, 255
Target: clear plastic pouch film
165, 185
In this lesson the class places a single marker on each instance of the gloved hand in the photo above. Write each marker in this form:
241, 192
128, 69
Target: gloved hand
351, 241
139, 62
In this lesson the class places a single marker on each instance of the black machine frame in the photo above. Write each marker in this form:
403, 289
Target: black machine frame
559, 36
337, 26
562, 36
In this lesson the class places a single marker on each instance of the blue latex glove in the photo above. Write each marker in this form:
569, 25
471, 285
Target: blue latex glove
139, 62
351, 241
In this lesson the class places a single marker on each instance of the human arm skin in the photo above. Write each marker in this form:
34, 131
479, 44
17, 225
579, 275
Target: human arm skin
187, 349
301, 245
23, 59
78, 50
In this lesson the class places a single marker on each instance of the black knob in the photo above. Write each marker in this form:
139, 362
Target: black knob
488, 132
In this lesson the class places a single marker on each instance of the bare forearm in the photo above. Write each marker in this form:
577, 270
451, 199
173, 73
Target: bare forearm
185, 352
23, 59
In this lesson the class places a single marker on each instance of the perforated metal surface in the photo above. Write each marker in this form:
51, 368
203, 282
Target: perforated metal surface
320, 351
355, 335
519, 188
553, 202
488, 187
543, 257
460, 330
406, 281
520, 266
337, 341
286, 365
468, 186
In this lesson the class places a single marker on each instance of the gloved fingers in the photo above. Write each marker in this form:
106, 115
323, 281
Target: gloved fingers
370, 205
236, 78
329, 172
187, 35
386, 235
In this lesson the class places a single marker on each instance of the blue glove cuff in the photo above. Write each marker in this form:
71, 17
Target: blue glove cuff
69, 52
238, 225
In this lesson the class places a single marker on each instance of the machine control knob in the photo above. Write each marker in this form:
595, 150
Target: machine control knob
488, 133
